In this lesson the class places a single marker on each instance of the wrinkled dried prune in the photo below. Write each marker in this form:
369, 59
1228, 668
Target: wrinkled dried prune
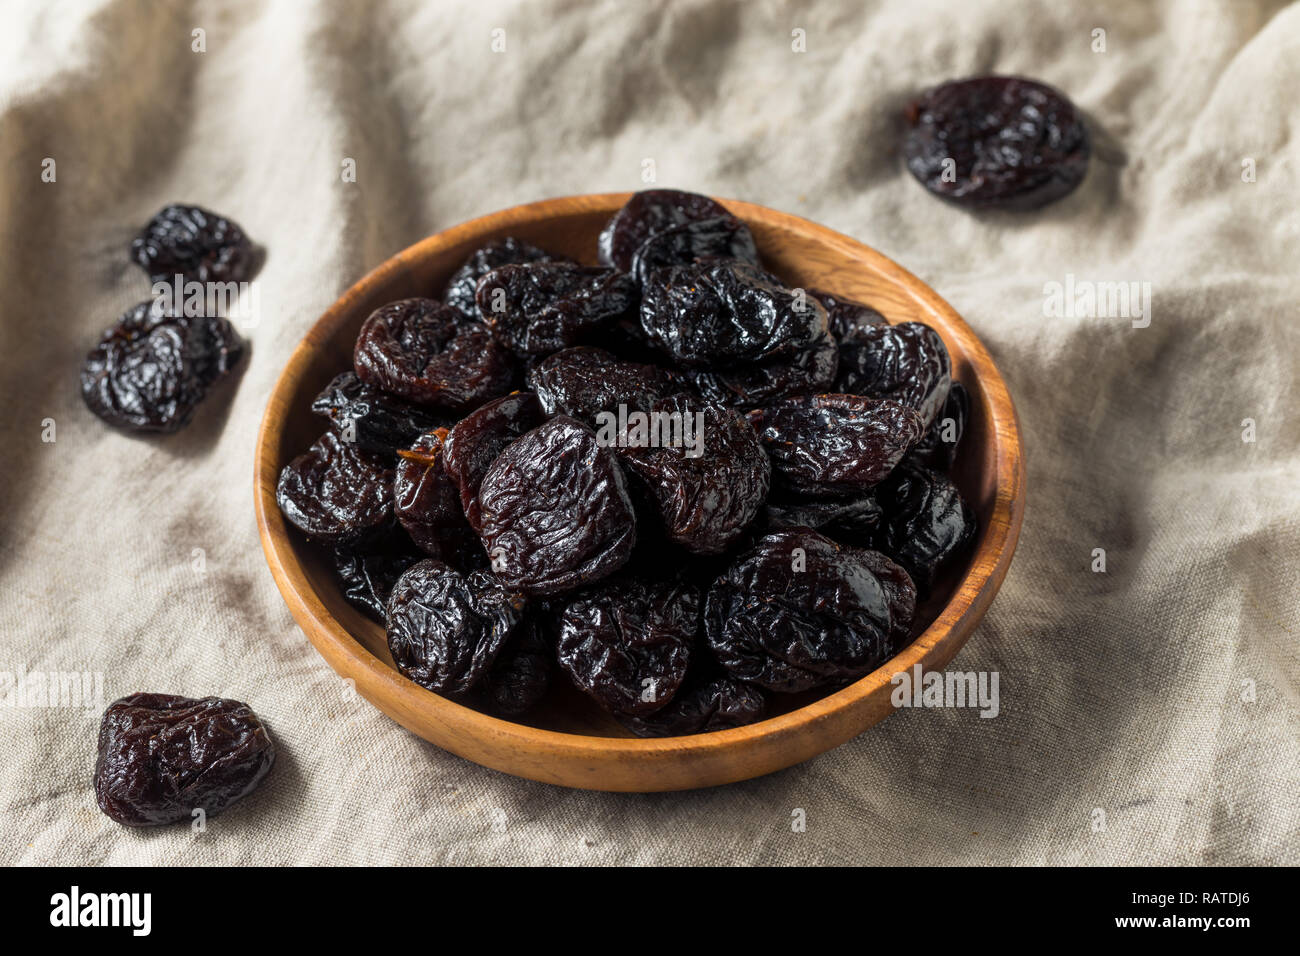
429, 353
426, 500
373, 419
480, 437
196, 243
708, 483
701, 706
446, 629
829, 446
849, 521
646, 214
161, 757
812, 370
723, 237
335, 493
627, 644
845, 316
799, 611
900, 591
1004, 141
540, 307
719, 312
150, 369
521, 675
907, 363
368, 575
927, 523
938, 446
555, 510
459, 293
582, 382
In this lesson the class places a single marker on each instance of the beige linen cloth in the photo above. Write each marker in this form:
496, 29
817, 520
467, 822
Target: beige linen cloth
1148, 714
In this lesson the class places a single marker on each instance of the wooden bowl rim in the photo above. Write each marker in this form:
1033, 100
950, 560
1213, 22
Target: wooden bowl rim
374, 678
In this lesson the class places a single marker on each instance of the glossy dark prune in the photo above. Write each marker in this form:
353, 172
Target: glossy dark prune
720, 312
799, 611
368, 575
627, 644
900, 592
996, 141
907, 363
554, 510
426, 500
521, 674
848, 521
446, 629
706, 486
335, 493
162, 757
195, 243
540, 307
927, 523
938, 446
812, 370
151, 370
723, 237
845, 316
478, 438
833, 446
373, 419
431, 354
646, 214
701, 707
582, 382
459, 293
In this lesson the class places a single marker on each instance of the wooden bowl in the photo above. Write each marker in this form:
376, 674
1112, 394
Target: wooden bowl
569, 742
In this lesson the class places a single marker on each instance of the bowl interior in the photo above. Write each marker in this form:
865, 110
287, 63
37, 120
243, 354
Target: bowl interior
803, 257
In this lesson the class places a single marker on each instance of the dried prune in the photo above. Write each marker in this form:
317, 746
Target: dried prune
195, 243
723, 237
540, 307
521, 675
459, 293
335, 493
582, 382
703, 468
480, 437
162, 757
373, 419
829, 446
368, 575
723, 312
927, 523
446, 629
701, 706
1001, 141
938, 446
845, 316
900, 591
646, 214
427, 501
812, 370
799, 611
555, 511
151, 369
849, 521
627, 644
429, 353
907, 363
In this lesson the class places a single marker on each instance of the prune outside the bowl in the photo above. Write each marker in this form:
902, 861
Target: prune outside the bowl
582, 382
555, 510
706, 486
907, 363
478, 438
195, 243
540, 307
431, 354
799, 611
337, 494
996, 141
162, 757
724, 237
459, 293
368, 575
150, 370
812, 370
644, 215
446, 629
427, 501
720, 312
373, 419
927, 523
701, 706
834, 446
627, 644
938, 446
